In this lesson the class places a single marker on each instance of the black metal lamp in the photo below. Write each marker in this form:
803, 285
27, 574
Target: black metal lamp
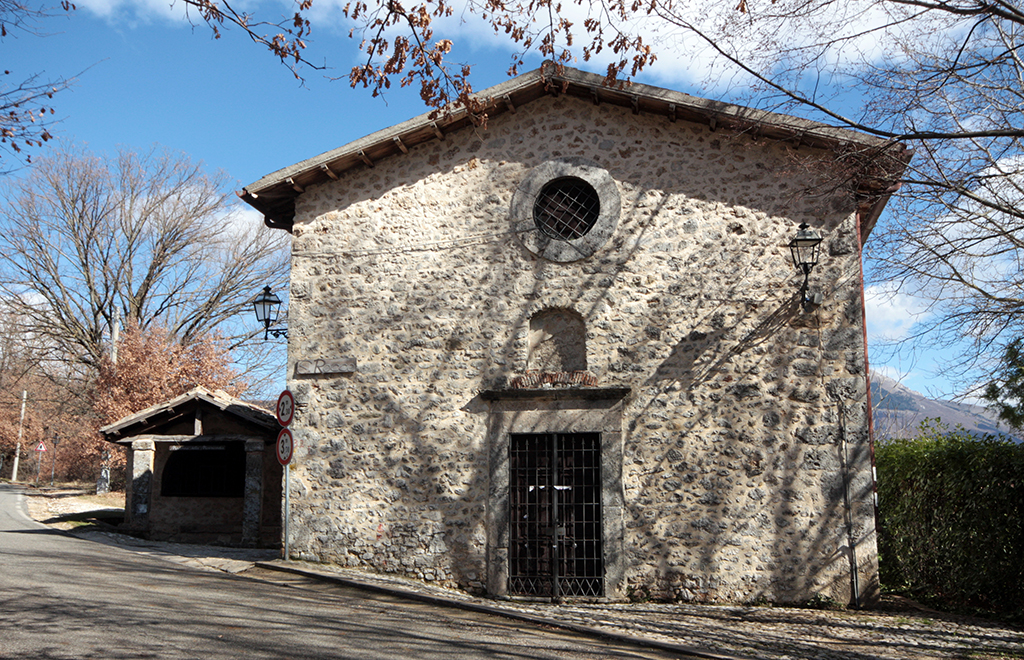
805, 248
267, 306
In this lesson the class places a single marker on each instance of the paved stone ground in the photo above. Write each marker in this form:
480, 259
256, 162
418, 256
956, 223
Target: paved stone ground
900, 631
903, 630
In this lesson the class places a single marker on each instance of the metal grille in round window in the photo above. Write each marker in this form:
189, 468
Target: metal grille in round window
567, 208
564, 210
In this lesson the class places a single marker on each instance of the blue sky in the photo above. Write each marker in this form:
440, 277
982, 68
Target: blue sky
224, 102
144, 77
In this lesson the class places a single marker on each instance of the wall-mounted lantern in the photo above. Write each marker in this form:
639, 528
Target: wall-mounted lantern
268, 306
804, 248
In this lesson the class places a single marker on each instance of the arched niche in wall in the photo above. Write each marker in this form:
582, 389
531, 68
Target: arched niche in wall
557, 341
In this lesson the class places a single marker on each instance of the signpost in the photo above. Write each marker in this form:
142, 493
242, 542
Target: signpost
53, 459
285, 408
40, 448
285, 448
285, 443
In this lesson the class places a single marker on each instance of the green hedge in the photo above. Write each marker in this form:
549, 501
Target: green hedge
951, 518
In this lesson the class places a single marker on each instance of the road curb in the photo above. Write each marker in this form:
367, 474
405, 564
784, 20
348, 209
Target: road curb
691, 651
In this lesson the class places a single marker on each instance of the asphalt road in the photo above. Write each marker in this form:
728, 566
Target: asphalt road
64, 597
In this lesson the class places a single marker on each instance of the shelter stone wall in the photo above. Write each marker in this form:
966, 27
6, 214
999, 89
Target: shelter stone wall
191, 519
743, 439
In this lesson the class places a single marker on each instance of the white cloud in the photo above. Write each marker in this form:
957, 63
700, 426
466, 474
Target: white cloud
891, 372
242, 221
131, 11
242, 228
890, 314
835, 33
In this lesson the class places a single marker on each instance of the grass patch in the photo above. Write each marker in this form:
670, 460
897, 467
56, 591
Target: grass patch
109, 500
823, 602
915, 621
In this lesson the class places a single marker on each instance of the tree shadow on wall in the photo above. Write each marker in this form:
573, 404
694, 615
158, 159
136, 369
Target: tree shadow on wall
399, 476
759, 491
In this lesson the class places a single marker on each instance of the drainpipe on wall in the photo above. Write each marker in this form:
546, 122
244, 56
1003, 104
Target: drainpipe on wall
851, 540
867, 363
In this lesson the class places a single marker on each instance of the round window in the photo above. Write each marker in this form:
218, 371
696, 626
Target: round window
567, 208
564, 210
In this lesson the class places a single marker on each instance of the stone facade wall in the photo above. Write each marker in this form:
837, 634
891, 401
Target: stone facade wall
744, 431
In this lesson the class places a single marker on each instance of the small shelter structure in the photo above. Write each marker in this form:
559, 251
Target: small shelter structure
201, 469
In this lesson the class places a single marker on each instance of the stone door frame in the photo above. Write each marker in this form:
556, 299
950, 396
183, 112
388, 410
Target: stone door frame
583, 410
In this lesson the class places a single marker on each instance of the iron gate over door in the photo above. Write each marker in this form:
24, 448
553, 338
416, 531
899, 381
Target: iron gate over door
555, 537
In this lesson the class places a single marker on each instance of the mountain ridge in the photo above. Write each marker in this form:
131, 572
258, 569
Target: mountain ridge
898, 412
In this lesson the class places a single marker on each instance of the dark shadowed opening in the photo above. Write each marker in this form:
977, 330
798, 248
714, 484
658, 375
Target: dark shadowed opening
205, 471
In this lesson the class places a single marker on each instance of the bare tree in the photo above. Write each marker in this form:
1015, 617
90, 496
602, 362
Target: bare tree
944, 78
26, 113
49, 411
151, 239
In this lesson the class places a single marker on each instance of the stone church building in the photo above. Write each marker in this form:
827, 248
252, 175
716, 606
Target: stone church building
563, 350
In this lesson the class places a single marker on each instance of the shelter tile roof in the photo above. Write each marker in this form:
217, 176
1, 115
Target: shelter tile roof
217, 398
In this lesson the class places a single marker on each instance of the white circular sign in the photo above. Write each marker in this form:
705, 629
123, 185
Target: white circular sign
285, 408
285, 445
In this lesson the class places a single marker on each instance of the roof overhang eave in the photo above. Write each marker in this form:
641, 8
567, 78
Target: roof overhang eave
274, 195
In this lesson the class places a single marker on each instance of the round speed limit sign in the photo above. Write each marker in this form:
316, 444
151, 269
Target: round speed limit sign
285, 445
285, 408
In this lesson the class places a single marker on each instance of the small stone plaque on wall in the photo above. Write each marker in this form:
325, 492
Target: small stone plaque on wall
321, 367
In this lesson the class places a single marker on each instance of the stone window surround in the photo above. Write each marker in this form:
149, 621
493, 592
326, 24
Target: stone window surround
588, 410
565, 251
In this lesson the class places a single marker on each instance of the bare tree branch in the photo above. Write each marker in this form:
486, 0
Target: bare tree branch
150, 237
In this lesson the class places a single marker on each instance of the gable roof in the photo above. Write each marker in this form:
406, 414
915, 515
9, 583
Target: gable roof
130, 425
274, 195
